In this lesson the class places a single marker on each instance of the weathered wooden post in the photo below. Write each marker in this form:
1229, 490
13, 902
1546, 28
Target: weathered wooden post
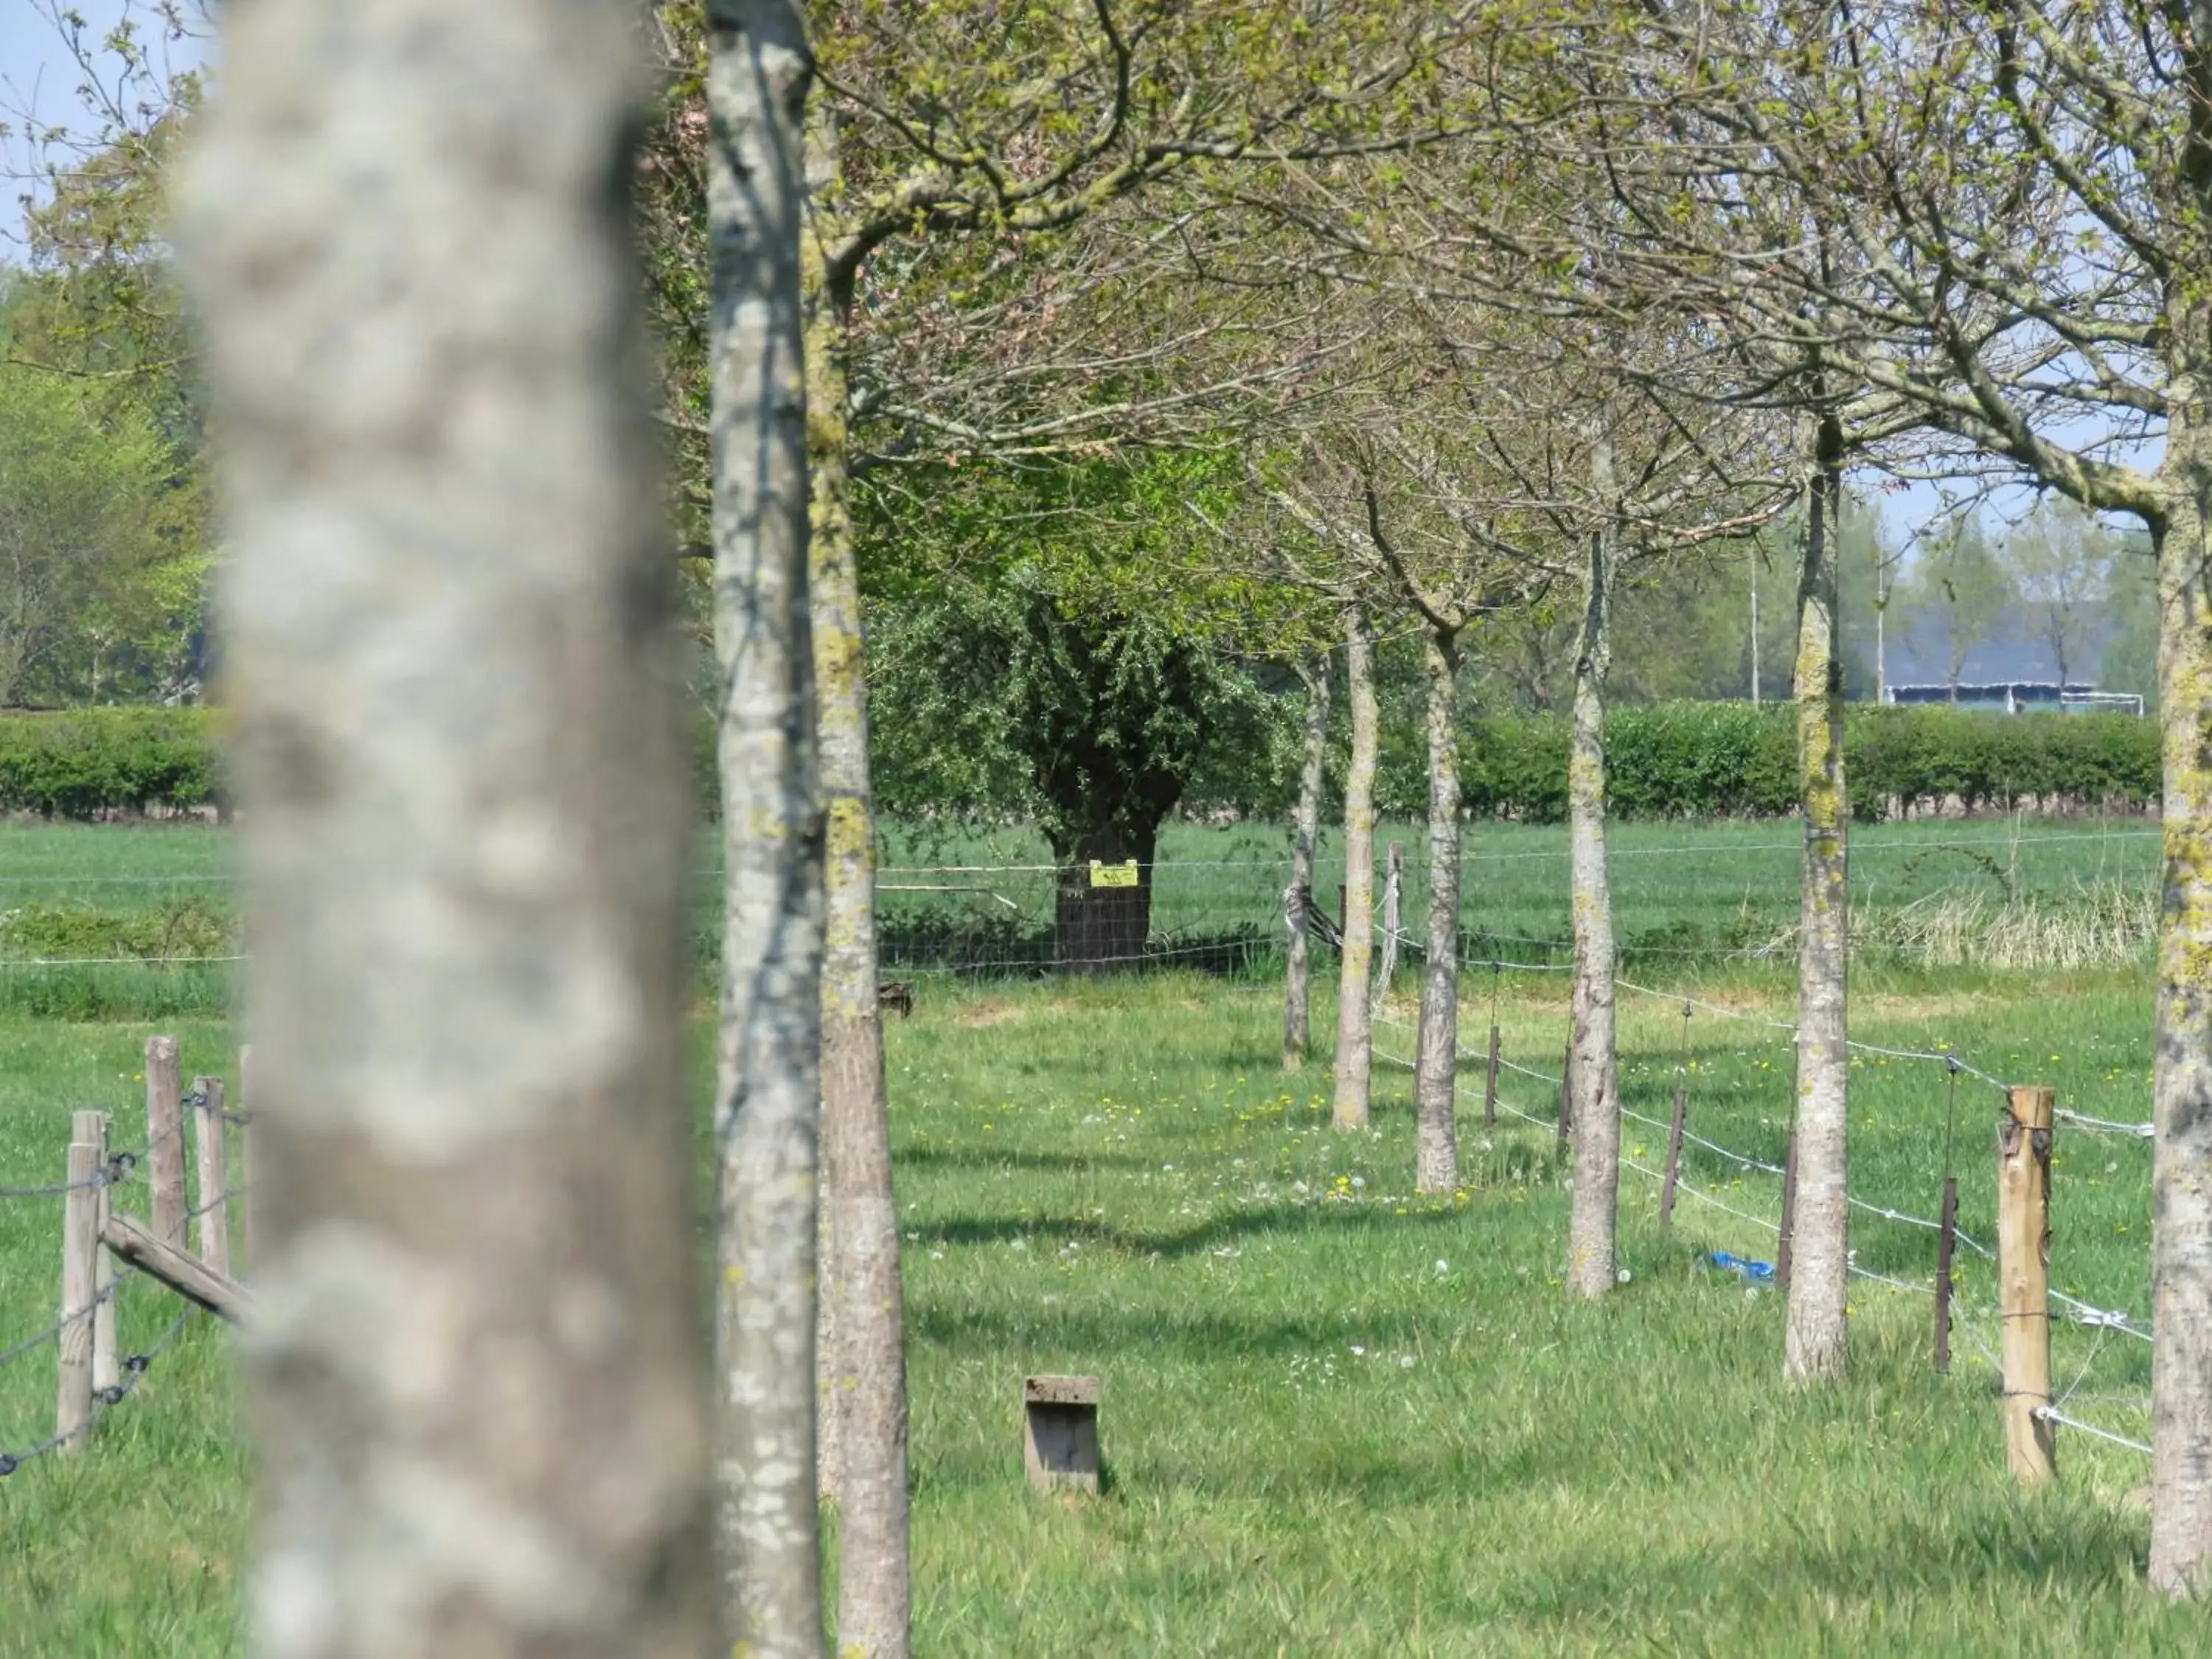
1788, 1214
1946, 1239
165, 1137
1566, 1084
80, 1274
246, 1142
1490, 1085
1060, 1433
214, 1175
1674, 1155
91, 1130
2024, 1279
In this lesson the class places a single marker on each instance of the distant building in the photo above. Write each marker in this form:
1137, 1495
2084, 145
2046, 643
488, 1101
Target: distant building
2017, 696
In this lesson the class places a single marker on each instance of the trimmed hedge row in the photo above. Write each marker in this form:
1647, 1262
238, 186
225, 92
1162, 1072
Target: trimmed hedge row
1729, 760
96, 763
1663, 760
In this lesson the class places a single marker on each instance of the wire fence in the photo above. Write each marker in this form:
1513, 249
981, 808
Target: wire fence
116, 1282
1028, 915
1977, 1322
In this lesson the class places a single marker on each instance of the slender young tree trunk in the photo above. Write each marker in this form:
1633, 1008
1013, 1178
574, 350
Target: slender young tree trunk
1817, 1345
1355, 1056
478, 1365
1594, 1081
2181, 1157
863, 1328
1435, 1059
1305, 827
768, 1089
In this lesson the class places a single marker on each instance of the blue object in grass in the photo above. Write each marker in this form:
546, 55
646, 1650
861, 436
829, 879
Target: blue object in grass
1760, 1273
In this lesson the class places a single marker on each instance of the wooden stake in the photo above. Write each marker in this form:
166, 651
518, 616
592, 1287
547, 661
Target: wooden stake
214, 1175
1674, 1156
246, 1137
1945, 1239
1566, 1102
2024, 1279
1788, 1214
165, 1137
80, 1277
1489, 1087
183, 1272
91, 1130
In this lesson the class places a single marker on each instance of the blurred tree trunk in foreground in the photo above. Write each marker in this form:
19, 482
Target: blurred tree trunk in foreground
478, 1373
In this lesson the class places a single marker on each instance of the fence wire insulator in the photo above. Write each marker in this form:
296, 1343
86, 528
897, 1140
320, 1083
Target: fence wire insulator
110, 1395
8, 1466
137, 1364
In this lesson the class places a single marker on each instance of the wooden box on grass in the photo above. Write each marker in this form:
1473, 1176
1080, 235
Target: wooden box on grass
1060, 1440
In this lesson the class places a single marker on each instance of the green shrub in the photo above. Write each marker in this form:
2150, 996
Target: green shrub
1684, 760
1730, 760
93, 762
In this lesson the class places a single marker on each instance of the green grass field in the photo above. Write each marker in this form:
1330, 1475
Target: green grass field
1339, 1418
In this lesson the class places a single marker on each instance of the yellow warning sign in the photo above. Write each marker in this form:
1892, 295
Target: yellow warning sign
1113, 875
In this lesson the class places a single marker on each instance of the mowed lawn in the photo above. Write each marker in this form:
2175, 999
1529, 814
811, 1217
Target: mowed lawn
1338, 1418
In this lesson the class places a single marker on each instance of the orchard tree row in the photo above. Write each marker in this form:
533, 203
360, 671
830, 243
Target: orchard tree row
1108, 347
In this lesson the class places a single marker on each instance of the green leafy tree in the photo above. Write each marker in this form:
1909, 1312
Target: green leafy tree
96, 573
2065, 562
1961, 586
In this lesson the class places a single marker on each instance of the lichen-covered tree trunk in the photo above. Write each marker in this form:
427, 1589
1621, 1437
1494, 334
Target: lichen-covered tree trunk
1817, 1342
478, 1368
1305, 829
1355, 1029
2181, 1157
1594, 1081
1436, 1057
863, 1328
769, 1087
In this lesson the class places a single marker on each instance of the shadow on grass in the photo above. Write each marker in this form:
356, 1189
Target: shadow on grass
1281, 1219
1186, 1335
989, 1157
1991, 1551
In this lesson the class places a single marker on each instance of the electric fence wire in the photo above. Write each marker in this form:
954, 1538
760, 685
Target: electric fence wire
1282, 862
2105, 1126
2052, 1414
134, 1367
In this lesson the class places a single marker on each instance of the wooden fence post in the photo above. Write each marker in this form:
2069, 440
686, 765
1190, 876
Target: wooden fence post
1946, 1237
1489, 1087
165, 1137
214, 1175
1788, 1214
91, 1130
246, 1138
1674, 1156
80, 1272
2024, 1279
1566, 1102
